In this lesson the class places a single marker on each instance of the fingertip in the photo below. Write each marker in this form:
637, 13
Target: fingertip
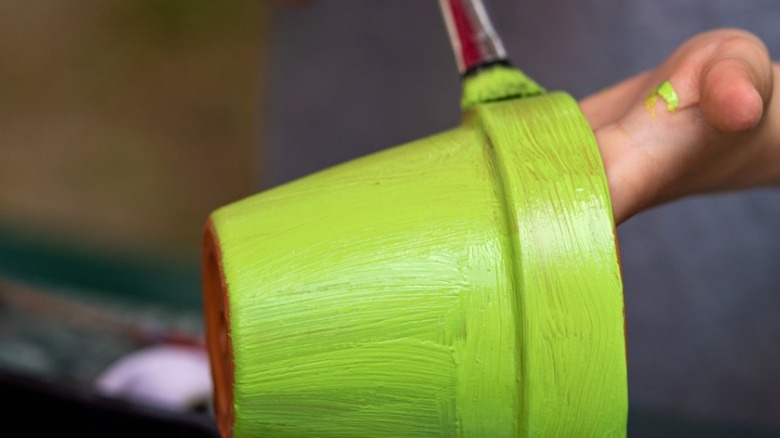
737, 82
748, 109
730, 99
742, 109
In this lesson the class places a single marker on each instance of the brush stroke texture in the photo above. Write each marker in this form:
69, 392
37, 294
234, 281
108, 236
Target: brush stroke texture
463, 285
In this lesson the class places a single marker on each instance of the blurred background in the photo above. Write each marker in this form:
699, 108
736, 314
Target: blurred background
124, 124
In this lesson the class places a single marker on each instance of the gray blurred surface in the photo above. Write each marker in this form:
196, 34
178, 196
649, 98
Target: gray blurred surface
702, 276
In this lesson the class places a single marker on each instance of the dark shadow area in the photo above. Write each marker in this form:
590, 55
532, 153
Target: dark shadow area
648, 423
52, 409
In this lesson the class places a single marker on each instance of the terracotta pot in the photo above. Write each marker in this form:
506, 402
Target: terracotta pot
465, 284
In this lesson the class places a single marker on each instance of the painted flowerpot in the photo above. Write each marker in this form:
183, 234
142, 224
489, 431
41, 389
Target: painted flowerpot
466, 284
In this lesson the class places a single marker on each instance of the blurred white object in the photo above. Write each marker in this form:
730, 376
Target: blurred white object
176, 377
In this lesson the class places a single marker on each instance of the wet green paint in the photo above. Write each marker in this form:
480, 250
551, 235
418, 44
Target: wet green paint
569, 297
666, 92
466, 284
496, 83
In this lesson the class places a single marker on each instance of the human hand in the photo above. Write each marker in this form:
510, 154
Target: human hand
723, 135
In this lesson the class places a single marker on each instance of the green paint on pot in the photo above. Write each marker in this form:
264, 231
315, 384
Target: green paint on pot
466, 284
372, 299
495, 83
568, 295
666, 92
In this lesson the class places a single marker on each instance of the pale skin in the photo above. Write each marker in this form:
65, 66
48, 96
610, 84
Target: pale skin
723, 136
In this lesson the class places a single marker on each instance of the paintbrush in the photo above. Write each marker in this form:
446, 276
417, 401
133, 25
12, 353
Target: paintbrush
486, 72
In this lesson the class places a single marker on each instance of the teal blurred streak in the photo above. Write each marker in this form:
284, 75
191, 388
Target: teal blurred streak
53, 262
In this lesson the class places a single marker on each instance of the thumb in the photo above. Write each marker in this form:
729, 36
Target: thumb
736, 84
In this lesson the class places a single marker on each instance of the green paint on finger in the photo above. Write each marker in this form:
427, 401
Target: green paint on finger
666, 92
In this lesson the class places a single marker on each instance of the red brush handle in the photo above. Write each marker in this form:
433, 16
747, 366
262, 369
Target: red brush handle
473, 38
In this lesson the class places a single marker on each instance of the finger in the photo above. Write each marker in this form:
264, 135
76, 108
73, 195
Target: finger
736, 84
609, 105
